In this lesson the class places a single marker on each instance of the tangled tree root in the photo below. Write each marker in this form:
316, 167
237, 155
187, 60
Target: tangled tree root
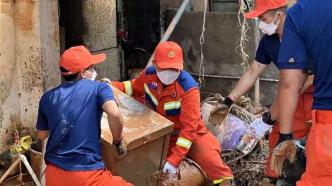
248, 170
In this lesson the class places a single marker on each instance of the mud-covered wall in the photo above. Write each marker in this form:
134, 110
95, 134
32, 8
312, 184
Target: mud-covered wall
29, 52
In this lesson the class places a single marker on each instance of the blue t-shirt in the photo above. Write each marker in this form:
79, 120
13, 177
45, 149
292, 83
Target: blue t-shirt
72, 113
308, 32
268, 50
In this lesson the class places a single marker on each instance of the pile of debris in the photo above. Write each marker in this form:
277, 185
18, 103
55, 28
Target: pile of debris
248, 168
15, 163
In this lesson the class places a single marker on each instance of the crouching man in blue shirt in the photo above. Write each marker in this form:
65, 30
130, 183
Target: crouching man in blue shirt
70, 115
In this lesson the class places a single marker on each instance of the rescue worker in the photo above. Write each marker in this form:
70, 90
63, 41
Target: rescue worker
272, 14
69, 115
169, 90
307, 31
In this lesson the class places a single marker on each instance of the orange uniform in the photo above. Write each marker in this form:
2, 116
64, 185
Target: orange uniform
81, 178
300, 128
180, 103
318, 151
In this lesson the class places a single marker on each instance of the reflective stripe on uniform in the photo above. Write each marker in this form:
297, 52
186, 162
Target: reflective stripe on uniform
183, 142
223, 179
172, 105
147, 91
128, 88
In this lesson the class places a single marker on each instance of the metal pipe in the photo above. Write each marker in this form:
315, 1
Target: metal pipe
257, 91
232, 77
257, 84
172, 25
27, 165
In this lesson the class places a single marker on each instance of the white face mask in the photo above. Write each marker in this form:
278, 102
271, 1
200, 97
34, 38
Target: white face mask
270, 28
93, 75
168, 77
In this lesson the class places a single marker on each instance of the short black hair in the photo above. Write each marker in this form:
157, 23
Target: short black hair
71, 77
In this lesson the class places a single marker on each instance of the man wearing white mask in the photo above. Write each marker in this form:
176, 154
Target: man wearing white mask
70, 115
271, 15
174, 94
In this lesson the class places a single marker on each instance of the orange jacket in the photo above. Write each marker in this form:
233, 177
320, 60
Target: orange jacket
178, 102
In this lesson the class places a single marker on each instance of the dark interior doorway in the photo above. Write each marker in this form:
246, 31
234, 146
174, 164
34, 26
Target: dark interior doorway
138, 29
142, 26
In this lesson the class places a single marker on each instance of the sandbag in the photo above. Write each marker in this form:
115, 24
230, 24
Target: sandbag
189, 173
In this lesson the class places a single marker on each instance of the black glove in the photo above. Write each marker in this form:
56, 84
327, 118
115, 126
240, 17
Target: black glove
37, 145
120, 147
266, 118
285, 150
284, 137
228, 101
291, 172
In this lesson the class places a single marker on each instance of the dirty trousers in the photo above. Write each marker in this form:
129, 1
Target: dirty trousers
319, 151
300, 128
58, 177
205, 151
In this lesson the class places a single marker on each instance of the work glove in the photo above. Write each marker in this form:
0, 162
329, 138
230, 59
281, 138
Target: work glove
37, 145
286, 149
261, 125
292, 172
120, 148
219, 113
228, 102
170, 169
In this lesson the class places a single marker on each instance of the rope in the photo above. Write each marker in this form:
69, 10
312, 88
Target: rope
202, 42
243, 38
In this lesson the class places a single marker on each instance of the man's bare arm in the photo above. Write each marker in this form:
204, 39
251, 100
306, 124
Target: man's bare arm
115, 119
290, 85
42, 134
247, 80
308, 82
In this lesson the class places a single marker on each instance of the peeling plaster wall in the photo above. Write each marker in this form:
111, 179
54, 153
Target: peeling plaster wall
28, 57
99, 24
93, 23
50, 41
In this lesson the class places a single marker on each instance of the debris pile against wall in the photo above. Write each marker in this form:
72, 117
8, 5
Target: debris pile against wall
248, 168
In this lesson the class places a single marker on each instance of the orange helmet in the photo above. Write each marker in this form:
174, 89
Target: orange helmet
261, 6
79, 58
168, 54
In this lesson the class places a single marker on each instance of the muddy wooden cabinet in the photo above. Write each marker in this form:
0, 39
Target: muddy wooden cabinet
147, 135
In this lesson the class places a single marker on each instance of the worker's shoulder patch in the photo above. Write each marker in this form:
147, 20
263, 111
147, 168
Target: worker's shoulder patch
186, 81
150, 70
